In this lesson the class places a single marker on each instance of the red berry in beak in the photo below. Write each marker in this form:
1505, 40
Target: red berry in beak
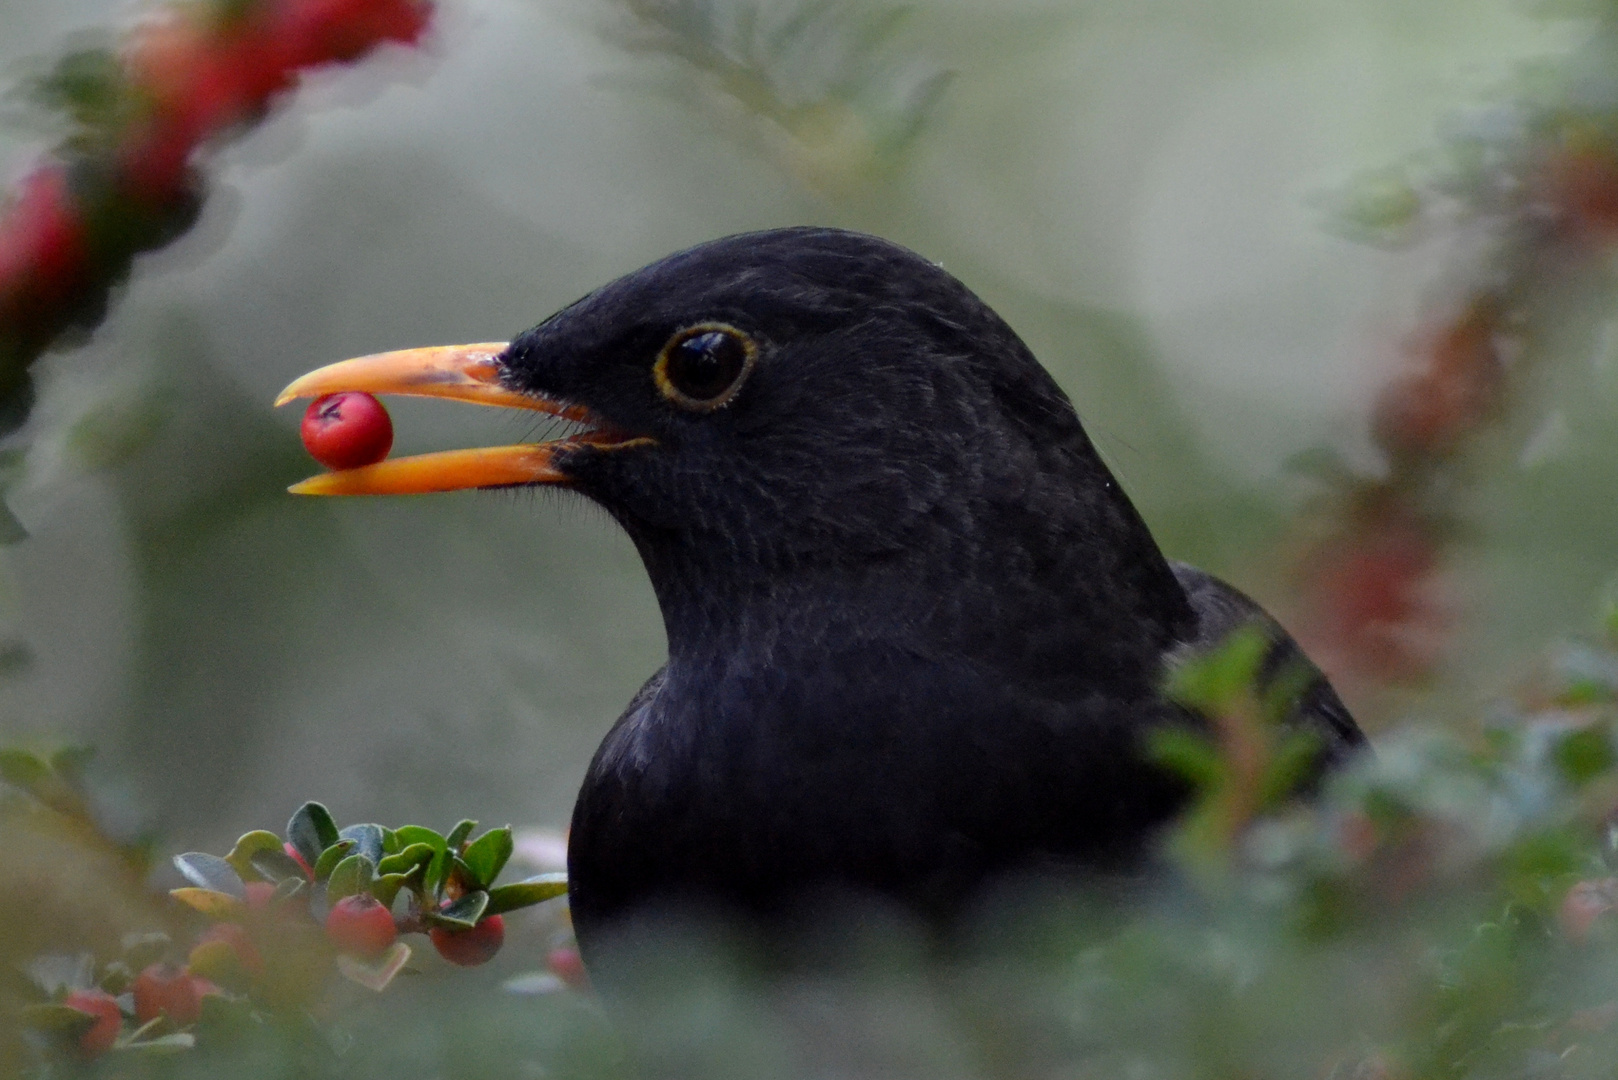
347, 430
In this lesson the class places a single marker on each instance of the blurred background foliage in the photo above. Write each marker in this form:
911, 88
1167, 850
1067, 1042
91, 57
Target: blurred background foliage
1144, 191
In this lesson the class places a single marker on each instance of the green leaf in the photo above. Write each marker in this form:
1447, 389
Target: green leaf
386, 886
351, 876
1583, 755
250, 844
1214, 682
277, 866
463, 914
1292, 763
311, 831
116, 977
414, 855
68, 763
172, 1043
210, 872
143, 949
12, 530
419, 834
219, 961
525, 893
215, 905
225, 1016
486, 856
57, 973
287, 888
410, 836
1191, 755
378, 974
390, 841
331, 857
457, 836
63, 1021
22, 769
462, 874
367, 839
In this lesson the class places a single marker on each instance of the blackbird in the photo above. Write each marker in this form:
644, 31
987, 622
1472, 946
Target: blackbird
916, 630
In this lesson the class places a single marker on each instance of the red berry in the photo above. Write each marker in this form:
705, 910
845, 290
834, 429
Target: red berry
259, 895
347, 430
292, 853
99, 1037
43, 252
566, 964
1584, 905
359, 924
165, 989
469, 948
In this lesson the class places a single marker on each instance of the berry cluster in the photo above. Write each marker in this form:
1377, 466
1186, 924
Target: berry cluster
124, 181
282, 911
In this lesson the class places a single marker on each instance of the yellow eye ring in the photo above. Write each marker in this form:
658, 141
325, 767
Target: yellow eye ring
703, 366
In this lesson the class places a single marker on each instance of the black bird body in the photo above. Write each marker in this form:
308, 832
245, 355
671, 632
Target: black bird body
915, 628
916, 631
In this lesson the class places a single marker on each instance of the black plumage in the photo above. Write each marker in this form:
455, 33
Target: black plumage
915, 628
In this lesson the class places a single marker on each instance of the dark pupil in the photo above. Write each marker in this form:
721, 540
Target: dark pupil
704, 365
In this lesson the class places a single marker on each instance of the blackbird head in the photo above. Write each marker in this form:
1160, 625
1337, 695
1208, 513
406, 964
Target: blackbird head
804, 421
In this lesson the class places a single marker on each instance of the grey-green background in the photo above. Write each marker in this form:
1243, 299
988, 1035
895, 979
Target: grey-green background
1130, 184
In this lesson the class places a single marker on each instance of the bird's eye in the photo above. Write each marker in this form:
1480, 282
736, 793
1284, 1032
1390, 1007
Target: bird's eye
702, 366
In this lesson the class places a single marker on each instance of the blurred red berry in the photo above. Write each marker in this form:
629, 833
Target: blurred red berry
1375, 608
234, 935
1582, 188
43, 247
1357, 835
109, 1020
1457, 386
163, 989
360, 925
566, 964
1584, 904
347, 430
259, 895
469, 948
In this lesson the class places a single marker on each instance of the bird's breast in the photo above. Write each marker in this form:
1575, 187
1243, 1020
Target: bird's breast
748, 781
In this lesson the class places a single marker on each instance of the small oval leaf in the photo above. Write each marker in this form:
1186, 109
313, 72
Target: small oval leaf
377, 975
526, 893
412, 856
367, 840
463, 914
249, 845
210, 872
486, 856
311, 830
215, 905
351, 876
331, 857
457, 836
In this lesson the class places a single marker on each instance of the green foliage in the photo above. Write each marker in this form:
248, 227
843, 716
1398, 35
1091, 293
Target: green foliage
827, 74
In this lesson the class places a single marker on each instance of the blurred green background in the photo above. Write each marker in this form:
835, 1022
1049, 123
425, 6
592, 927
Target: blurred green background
1132, 186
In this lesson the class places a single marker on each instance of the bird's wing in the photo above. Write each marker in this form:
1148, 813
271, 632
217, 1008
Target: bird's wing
1222, 609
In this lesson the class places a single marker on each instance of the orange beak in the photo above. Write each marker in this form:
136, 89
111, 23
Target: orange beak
459, 373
